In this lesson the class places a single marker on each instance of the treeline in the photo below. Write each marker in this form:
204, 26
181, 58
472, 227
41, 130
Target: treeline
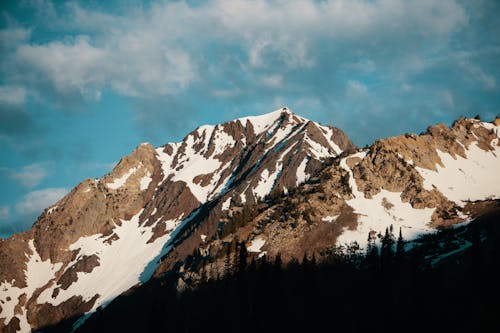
386, 289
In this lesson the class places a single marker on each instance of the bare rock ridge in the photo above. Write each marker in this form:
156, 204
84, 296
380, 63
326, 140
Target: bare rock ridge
108, 234
277, 182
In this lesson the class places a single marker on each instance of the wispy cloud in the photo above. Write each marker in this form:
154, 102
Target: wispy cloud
12, 95
355, 88
28, 176
35, 202
4, 213
150, 50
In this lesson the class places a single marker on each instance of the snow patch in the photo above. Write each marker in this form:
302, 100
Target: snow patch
319, 151
265, 184
203, 238
476, 177
145, 181
121, 263
256, 245
119, 182
376, 215
302, 176
226, 204
51, 210
329, 218
263, 122
37, 274
328, 133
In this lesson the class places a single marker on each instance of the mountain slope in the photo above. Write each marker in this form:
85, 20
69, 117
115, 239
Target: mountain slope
108, 234
414, 183
185, 208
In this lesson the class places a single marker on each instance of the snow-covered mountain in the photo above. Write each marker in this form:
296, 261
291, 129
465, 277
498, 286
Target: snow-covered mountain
277, 182
108, 234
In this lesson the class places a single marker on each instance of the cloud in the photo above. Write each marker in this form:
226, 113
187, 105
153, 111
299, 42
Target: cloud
35, 202
356, 88
12, 95
69, 66
157, 50
27, 210
4, 213
486, 80
30, 175
273, 81
169, 58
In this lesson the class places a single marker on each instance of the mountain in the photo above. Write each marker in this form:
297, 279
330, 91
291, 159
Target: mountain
108, 234
278, 184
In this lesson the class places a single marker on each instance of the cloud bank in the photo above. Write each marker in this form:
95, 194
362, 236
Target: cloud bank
340, 54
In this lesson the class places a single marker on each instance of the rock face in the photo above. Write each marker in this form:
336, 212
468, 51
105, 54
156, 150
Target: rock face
277, 183
108, 234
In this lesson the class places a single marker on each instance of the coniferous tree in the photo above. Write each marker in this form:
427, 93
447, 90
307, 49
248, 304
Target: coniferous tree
241, 263
372, 256
277, 261
400, 246
386, 253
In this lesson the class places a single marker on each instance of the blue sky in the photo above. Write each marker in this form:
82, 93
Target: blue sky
83, 83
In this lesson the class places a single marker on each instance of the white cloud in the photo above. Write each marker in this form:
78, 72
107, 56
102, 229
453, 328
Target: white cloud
73, 65
273, 81
487, 81
13, 36
4, 212
159, 49
35, 202
12, 95
30, 175
356, 88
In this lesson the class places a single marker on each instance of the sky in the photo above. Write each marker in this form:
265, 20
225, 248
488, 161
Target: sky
82, 83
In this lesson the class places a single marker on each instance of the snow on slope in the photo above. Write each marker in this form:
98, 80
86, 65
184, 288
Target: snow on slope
122, 261
381, 211
37, 273
263, 122
121, 264
119, 182
267, 180
302, 176
256, 245
476, 177
192, 162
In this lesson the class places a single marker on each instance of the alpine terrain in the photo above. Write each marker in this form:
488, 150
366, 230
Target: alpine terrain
271, 186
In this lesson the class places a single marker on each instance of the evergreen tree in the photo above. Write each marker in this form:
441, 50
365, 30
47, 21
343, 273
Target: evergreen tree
241, 263
277, 261
372, 255
400, 246
387, 253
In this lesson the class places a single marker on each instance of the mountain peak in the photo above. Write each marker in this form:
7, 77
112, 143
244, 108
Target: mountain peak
266, 121
155, 198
